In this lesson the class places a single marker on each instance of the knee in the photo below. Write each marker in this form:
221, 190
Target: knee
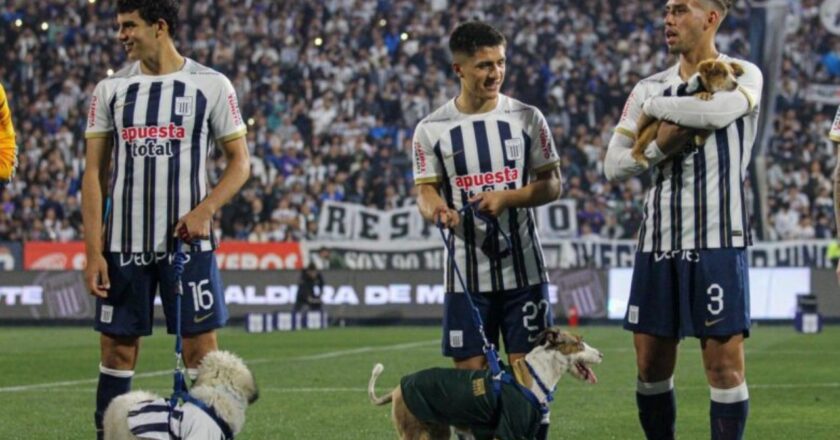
119, 353
651, 370
197, 346
722, 374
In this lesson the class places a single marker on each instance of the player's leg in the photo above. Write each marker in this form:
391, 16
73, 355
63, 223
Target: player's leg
723, 359
525, 314
721, 321
461, 338
121, 318
650, 316
203, 308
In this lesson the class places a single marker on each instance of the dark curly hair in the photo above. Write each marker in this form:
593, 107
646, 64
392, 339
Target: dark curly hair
152, 10
468, 37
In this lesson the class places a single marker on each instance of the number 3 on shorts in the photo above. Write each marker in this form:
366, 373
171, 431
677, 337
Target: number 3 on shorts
202, 298
715, 293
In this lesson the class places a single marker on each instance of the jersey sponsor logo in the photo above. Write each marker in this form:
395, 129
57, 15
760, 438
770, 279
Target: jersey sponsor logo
152, 141
692, 256
419, 158
490, 178
184, 106
234, 109
545, 141
92, 112
143, 259
171, 131
513, 148
626, 110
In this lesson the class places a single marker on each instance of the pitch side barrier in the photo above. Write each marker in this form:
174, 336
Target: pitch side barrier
402, 296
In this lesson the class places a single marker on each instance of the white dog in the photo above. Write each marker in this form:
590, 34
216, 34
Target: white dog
224, 386
426, 403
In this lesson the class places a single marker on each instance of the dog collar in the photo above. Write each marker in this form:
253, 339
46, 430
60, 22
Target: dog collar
549, 393
212, 413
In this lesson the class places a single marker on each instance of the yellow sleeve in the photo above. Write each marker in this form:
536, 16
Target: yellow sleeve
7, 130
8, 149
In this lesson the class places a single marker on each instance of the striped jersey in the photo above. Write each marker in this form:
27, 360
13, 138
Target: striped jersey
157, 420
472, 153
163, 129
834, 134
696, 200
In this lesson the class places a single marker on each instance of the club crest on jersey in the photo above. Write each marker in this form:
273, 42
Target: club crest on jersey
184, 106
513, 149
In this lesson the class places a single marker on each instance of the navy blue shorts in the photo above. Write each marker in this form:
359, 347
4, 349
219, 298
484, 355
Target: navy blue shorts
135, 277
519, 315
690, 293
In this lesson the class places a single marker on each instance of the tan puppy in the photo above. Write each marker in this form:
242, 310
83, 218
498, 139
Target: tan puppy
420, 412
715, 76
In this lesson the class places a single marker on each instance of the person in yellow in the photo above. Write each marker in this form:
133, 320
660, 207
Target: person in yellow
8, 148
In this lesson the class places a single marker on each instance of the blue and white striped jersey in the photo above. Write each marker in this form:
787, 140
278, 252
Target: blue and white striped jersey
472, 153
156, 420
834, 134
697, 198
163, 129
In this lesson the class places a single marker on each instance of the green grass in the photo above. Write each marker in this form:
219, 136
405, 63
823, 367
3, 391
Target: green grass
313, 383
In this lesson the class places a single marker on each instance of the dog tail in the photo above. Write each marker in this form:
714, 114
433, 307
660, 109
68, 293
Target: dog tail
377, 370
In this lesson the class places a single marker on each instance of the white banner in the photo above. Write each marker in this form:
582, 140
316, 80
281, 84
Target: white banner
823, 93
350, 221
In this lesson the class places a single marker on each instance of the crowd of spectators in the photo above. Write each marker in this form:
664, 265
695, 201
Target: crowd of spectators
332, 90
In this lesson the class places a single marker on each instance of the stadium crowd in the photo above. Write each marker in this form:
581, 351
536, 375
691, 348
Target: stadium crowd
332, 91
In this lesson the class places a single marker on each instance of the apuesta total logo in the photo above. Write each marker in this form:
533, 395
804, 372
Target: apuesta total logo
152, 141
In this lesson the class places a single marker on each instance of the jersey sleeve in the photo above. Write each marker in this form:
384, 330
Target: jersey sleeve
8, 149
834, 134
543, 155
631, 112
100, 121
225, 118
427, 168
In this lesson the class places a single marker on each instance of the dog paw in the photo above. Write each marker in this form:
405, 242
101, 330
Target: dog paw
705, 96
641, 159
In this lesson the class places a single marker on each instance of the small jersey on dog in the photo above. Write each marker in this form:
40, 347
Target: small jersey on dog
426, 403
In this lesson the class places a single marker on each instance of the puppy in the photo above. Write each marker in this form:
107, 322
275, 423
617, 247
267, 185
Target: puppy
224, 384
426, 403
713, 76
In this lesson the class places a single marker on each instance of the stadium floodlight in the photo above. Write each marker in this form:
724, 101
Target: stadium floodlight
404, 36
45, 26
18, 22
383, 22
319, 41
110, 72
251, 121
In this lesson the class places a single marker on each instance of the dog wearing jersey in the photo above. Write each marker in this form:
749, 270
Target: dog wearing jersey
712, 76
426, 403
224, 384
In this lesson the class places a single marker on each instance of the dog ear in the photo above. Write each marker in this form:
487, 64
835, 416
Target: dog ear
706, 67
737, 70
548, 336
569, 343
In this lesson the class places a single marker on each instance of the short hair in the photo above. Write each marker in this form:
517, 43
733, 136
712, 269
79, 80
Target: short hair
721, 5
468, 37
153, 10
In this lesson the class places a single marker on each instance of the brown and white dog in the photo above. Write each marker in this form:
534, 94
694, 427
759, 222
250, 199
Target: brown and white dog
713, 76
556, 353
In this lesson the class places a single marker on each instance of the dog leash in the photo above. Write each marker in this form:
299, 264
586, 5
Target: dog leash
498, 374
180, 392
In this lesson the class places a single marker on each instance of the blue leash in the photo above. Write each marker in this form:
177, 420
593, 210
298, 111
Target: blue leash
180, 392
498, 375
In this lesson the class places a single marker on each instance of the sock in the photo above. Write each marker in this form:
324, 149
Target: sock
112, 383
728, 412
657, 408
542, 433
192, 374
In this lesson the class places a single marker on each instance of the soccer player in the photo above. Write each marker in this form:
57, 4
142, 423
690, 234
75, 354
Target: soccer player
8, 148
834, 135
491, 149
690, 276
155, 121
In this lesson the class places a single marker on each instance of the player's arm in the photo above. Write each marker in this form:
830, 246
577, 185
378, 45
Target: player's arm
8, 148
723, 109
197, 223
97, 163
427, 172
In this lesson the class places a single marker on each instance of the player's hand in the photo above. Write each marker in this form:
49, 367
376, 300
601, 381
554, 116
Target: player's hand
195, 225
446, 216
491, 202
672, 138
96, 276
